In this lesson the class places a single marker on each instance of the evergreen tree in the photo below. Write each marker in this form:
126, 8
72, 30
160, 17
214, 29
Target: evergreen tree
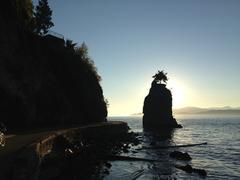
43, 17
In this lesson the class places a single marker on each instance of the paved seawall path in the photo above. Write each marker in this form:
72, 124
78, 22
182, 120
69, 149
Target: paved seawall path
16, 143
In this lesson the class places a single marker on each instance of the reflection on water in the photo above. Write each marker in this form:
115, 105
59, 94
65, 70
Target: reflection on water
163, 168
220, 158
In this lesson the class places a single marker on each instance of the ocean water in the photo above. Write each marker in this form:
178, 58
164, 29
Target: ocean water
220, 157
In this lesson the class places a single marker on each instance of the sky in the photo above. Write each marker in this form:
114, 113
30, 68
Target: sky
197, 42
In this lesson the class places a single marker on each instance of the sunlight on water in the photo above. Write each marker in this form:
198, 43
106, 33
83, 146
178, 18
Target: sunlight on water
220, 157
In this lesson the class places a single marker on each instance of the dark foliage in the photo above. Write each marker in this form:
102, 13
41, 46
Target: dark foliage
43, 17
42, 83
21, 11
82, 52
160, 76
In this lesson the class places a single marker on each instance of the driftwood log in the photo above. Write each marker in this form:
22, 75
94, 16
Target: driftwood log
175, 146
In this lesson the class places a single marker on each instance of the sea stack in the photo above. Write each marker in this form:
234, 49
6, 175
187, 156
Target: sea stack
157, 107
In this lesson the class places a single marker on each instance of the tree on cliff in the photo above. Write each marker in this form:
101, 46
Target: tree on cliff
160, 76
42, 86
82, 51
43, 17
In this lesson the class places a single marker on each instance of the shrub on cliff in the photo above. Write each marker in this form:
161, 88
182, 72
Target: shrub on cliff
82, 51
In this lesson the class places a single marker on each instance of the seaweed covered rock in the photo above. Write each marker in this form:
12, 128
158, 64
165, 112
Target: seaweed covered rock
157, 107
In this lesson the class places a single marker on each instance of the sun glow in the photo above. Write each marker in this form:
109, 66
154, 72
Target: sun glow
132, 99
179, 92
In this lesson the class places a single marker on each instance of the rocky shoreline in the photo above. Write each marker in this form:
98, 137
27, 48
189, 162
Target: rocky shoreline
52, 156
85, 157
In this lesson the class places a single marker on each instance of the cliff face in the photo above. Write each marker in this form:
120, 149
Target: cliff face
41, 82
157, 108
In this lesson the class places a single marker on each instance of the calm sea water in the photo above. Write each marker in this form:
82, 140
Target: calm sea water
220, 157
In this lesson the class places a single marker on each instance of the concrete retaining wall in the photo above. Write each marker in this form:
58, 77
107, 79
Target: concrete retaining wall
27, 161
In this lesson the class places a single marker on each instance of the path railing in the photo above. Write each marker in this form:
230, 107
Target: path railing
60, 36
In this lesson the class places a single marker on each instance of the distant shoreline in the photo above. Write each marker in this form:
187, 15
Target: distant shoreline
202, 111
212, 112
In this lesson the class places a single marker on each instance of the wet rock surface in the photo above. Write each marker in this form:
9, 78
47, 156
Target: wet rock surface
180, 155
84, 157
189, 169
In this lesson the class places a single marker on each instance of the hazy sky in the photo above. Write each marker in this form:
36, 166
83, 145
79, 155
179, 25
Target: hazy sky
196, 41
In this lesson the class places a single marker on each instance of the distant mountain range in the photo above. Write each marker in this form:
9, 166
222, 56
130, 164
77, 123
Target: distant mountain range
214, 110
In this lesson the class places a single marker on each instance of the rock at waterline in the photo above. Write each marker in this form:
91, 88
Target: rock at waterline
157, 107
180, 155
189, 169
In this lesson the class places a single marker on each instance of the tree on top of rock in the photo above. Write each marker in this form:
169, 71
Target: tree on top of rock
43, 17
160, 76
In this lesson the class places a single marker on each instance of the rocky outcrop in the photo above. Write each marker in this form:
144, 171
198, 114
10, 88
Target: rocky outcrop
157, 108
42, 83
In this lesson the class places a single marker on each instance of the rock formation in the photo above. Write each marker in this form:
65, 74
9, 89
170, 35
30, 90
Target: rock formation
42, 83
157, 107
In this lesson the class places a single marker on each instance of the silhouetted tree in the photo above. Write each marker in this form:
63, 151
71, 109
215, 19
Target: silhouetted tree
43, 17
160, 76
83, 51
